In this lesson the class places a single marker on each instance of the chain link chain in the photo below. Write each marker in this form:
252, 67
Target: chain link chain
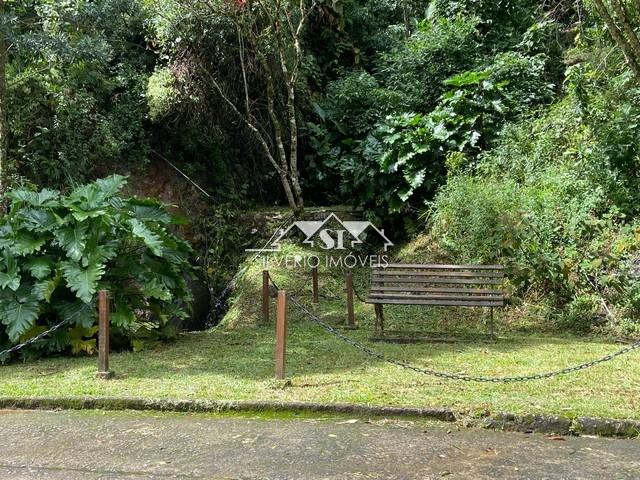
38, 337
454, 376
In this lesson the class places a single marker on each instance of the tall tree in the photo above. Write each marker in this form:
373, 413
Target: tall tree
269, 54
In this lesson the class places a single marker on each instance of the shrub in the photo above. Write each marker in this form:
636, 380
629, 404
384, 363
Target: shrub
414, 148
57, 251
440, 48
357, 101
501, 22
581, 314
551, 234
555, 202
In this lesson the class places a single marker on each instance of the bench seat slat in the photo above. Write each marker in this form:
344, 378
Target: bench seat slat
463, 298
436, 280
443, 303
411, 288
439, 274
403, 266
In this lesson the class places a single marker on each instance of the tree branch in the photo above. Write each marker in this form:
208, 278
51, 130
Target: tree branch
244, 119
632, 38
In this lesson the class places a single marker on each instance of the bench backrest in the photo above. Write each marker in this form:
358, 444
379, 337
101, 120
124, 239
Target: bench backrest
444, 285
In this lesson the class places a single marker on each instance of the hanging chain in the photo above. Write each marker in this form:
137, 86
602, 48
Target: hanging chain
453, 376
40, 336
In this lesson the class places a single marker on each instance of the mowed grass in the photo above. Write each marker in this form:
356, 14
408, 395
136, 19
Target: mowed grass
238, 363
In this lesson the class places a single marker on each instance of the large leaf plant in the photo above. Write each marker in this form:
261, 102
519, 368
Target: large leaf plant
57, 251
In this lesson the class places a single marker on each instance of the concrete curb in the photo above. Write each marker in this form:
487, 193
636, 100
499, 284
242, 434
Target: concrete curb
528, 423
552, 424
215, 406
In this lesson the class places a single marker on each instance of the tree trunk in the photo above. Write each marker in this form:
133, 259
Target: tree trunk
286, 171
4, 127
293, 160
407, 20
290, 83
280, 167
618, 37
623, 16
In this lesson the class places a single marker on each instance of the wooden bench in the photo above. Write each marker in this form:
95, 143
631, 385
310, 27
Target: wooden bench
438, 285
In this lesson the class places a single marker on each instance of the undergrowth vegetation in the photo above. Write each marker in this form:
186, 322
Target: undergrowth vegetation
556, 201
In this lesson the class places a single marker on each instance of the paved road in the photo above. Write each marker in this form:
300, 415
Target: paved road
128, 445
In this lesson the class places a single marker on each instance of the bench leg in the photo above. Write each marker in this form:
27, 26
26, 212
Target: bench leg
379, 320
491, 329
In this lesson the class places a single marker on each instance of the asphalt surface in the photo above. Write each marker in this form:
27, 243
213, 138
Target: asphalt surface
130, 445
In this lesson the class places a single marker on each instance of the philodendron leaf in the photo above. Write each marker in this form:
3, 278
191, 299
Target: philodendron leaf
34, 199
122, 315
39, 267
82, 281
73, 240
10, 278
155, 289
81, 340
25, 243
44, 289
150, 239
78, 313
19, 314
111, 185
39, 219
151, 212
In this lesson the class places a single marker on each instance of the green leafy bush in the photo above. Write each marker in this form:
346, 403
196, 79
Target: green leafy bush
411, 156
439, 48
57, 251
501, 22
556, 201
413, 148
357, 101
552, 235
76, 76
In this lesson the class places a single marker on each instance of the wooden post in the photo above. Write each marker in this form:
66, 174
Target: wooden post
351, 321
103, 335
265, 296
314, 278
281, 335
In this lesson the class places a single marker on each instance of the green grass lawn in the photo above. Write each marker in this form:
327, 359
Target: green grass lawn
237, 364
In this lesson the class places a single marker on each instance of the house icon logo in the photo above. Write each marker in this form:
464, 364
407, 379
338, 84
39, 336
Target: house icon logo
332, 233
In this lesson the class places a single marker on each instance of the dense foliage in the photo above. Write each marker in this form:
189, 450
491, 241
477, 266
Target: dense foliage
557, 202
58, 250
76, 78
386, 129
509, 128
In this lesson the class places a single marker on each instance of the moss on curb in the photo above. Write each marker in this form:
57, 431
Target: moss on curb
213, 406
530, 423
606, 428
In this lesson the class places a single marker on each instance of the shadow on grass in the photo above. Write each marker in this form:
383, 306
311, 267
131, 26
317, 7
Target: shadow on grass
247, 353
